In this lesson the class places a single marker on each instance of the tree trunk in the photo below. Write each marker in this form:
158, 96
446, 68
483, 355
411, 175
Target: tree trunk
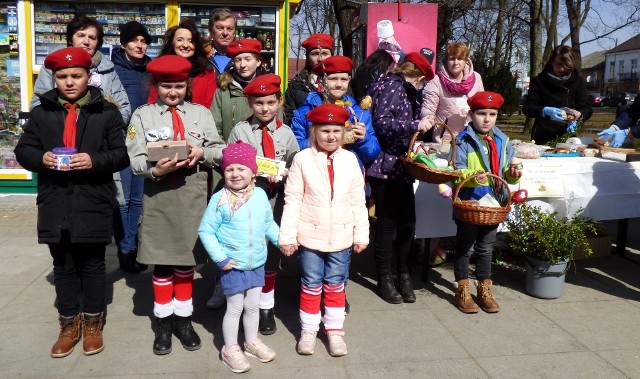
346, 11
552, 30
497, 51
535, 39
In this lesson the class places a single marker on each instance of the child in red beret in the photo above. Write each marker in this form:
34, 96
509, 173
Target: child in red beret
481, 148
175, 194
275, 140
233, 231
325, 219
77, 130
230, 105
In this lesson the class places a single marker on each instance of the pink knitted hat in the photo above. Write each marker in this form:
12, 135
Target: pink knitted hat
240, 153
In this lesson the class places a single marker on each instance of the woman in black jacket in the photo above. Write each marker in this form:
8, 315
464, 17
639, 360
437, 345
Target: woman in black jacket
130, 63
559, 85
76, 206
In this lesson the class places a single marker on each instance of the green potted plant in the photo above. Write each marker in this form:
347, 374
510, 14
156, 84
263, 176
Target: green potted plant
548, 244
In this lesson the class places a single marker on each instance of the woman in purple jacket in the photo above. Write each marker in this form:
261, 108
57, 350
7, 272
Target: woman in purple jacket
395, 116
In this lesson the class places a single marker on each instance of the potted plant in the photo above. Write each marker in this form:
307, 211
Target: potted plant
548, 244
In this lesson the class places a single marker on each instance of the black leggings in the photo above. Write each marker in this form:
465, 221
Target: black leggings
78, 268
396, 215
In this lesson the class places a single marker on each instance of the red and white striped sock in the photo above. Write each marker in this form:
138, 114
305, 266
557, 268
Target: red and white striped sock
310, 307
163, 296
183, 292
334, 300
267, 296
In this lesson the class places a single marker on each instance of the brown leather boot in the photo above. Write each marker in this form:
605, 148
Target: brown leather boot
68, 338
92, 333
462, 299
485, 297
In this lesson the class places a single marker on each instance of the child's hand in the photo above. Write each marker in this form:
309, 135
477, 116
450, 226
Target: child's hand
288, 250
482, 177
359, 130
49, 160
272, 179
231, 264
514, 173
166, 165
81, 161
195, 154
426, 123
359, 248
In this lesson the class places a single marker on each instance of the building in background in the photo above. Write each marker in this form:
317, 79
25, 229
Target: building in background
621, 67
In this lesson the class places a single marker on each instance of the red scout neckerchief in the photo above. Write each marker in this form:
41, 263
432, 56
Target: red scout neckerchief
493, 154
69, 134
178, 126
268, 148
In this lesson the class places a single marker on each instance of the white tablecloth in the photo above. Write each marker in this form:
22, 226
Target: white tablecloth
606, 189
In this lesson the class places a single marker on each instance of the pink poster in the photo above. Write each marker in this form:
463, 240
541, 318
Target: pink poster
401, 28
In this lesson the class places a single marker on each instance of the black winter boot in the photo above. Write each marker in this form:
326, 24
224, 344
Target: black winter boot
406, 288
128, 262
183, 329
267, 322
387, 290
162, 342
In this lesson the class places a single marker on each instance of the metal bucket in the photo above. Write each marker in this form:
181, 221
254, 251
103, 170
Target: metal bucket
545, 279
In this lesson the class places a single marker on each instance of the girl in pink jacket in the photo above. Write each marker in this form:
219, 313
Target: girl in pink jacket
324, 218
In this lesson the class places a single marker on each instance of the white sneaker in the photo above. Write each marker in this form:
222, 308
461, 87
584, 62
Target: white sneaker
337, 346
218, 299
307, 342
234, 359
259, 350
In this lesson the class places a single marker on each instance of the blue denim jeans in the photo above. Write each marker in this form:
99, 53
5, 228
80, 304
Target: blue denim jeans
133, 188
319, 267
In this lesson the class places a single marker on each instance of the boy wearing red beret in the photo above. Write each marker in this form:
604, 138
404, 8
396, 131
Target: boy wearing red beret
481, 148
230, 105
275, 140
325, 219
75, 206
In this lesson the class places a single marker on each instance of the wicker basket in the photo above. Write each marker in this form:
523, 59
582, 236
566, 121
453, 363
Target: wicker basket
424, 173
467, 211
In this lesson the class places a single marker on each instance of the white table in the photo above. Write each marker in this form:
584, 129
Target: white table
606, 189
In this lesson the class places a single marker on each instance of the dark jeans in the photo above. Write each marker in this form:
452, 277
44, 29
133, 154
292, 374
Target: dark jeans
126, 230
396, 215
470, 238
78, 267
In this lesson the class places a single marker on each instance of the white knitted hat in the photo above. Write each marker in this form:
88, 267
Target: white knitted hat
385, 29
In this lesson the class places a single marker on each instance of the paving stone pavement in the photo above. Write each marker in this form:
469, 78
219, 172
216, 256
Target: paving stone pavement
589, 332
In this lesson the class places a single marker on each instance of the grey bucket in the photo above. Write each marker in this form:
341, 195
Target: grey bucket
545, 279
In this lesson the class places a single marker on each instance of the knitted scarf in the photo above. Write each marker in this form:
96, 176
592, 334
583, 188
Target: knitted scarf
455, 88
235, 199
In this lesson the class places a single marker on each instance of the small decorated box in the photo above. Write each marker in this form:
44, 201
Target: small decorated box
167, 149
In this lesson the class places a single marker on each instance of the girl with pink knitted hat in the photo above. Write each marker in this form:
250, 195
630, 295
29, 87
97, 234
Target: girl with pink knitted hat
233, 231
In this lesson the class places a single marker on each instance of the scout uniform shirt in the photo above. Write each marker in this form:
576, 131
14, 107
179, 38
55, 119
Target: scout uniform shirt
173, 204
284, 140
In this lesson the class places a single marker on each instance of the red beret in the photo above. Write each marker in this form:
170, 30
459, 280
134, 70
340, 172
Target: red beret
169, 68
485, 99
68, 57
244, 46
317, 41
326, 114
422, 63
334, 64
263, 85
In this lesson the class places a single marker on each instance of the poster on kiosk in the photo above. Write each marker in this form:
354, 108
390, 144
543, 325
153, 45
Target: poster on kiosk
401, 28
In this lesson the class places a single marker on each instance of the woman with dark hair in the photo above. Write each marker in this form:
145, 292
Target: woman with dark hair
87, 33
558, 85
184, 40
396, 117
373, 68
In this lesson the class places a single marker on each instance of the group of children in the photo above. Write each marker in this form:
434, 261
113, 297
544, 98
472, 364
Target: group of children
321, 212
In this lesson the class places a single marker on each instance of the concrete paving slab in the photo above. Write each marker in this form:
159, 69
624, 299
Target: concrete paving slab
567, 365
626, 361
441, 368
519, 328
599, 325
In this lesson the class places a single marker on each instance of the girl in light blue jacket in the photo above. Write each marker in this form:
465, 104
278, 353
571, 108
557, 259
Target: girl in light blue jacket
233, 231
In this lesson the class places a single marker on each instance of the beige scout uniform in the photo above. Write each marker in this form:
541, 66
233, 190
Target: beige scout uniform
173, 205
284, 140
